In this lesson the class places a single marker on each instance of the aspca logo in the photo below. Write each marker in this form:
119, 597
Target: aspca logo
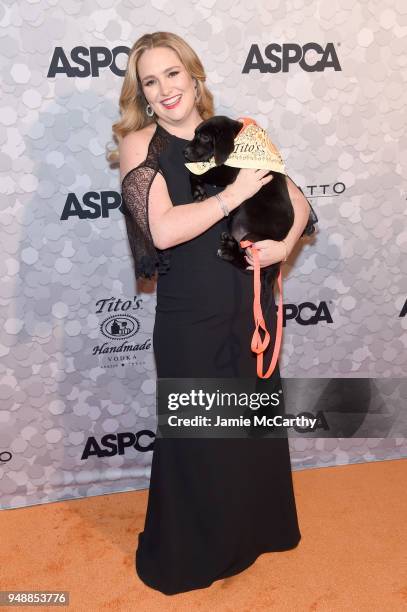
278, 58
307, 313
93, 206
116, 444
118, 327
84, 62
403, 311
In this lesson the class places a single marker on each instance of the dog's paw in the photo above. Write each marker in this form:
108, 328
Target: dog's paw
225, 254
198, 193
227, 241
227, 246
231, 251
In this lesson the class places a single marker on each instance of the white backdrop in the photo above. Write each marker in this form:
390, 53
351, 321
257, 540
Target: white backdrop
328, 82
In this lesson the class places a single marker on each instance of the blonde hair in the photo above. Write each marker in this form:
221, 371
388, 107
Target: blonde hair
132, 101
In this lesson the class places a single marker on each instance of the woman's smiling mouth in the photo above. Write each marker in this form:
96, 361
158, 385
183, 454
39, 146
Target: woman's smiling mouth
172, 102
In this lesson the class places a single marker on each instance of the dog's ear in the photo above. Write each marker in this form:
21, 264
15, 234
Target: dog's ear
223, 146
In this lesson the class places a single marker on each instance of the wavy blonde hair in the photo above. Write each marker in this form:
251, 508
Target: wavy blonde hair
132, 101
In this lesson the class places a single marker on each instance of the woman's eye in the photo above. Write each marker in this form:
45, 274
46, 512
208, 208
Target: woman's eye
173, 72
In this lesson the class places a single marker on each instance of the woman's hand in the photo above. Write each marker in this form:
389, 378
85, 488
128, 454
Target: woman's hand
269, 252
247, 183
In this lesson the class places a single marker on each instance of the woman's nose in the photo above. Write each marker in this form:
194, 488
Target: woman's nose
164, 92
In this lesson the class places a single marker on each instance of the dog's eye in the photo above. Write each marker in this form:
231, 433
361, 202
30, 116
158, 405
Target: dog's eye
205, 137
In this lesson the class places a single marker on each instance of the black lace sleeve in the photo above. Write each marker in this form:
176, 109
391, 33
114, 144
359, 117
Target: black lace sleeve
312, 219
135, 191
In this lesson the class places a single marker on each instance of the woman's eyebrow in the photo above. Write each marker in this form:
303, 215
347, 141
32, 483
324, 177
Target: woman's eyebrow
149, 76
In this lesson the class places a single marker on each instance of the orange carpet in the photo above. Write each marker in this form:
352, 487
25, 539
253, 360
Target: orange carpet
352, 556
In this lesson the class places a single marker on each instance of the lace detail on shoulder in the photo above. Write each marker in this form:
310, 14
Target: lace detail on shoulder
312, 218
135, 189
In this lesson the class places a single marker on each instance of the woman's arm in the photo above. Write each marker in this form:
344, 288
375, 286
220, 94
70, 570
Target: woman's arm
169, 225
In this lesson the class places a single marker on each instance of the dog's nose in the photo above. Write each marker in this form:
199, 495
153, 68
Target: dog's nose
185, 152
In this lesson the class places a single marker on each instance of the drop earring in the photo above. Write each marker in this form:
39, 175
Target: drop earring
149, 110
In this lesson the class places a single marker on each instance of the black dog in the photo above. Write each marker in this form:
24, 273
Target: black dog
269, 214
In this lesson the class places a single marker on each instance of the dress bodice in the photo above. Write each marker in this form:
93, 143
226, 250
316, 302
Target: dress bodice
198, 279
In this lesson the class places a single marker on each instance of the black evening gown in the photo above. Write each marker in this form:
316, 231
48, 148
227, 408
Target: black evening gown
214, 504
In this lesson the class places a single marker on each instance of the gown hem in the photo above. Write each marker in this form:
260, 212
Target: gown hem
227, 574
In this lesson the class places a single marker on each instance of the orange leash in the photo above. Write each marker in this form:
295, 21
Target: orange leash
258, 345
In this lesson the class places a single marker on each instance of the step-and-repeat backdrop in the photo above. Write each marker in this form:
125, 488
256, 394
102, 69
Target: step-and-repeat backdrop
327, 80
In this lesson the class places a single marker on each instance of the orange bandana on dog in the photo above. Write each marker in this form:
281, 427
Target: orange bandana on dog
253, 149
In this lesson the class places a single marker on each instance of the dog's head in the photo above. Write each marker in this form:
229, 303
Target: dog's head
214, 137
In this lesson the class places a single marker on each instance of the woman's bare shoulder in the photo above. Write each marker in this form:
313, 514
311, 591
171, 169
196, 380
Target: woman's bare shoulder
133, 148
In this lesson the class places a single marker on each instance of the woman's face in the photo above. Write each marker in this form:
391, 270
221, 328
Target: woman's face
167, 86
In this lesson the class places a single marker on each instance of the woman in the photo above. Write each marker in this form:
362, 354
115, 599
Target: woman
214, 505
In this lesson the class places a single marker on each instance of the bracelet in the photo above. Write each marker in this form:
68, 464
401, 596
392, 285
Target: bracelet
223, 206
286, 250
